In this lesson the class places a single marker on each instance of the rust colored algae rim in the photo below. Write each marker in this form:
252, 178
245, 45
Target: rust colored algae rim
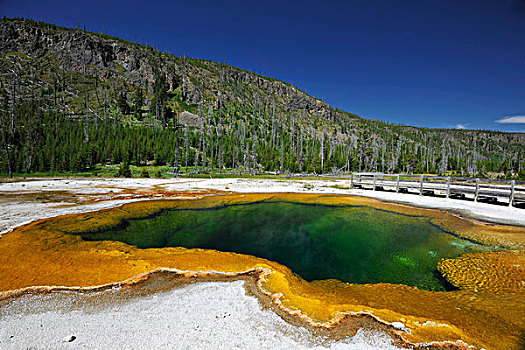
271, 300
273, 281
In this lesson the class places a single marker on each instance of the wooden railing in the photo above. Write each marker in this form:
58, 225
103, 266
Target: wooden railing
486, 190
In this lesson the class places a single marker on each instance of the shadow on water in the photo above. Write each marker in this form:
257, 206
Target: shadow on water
448, 287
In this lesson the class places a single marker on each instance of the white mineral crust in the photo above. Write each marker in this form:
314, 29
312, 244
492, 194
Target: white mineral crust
208, 315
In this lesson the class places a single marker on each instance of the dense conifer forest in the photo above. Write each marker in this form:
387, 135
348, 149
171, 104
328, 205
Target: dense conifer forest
72, 101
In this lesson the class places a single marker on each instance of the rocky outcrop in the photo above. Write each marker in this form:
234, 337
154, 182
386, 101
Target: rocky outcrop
76, 50
107, 57
189, 119
189, 92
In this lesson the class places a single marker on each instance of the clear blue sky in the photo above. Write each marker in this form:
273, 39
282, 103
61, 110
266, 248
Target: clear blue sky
432, 63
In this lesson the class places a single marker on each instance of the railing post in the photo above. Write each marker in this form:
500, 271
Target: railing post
448, 186
421, 185
511, 199
352, 181
375, 179
477, 191
397, 185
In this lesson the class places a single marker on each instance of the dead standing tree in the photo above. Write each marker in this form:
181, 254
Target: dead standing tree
220, 151
203, 135
176, 127
12, 72
5, 141
186, 146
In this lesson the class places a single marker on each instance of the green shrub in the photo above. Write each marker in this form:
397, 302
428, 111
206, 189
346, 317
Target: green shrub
124, 170
144, 173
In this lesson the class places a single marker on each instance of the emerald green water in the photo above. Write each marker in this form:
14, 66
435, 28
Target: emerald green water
351, 244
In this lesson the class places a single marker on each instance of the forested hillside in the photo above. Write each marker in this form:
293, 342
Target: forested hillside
71, 99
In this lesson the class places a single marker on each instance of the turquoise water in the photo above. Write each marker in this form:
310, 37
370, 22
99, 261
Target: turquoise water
351, 244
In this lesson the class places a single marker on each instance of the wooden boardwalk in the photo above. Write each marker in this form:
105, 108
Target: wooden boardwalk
485, 190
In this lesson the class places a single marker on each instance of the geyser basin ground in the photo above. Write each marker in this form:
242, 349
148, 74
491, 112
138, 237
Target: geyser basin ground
206, 315
488, 310
357, 244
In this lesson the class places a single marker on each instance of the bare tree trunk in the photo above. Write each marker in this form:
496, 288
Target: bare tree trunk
273, 123
86, 119
291, 137
322, 152
308, 150
196, 158
115, 117
203, 145
98, 101
186, 146
314, 140
55, 106
212, 142
218, 130
300, 152
105, 113
163, 115
156, 114
247, 158
282, 149
13, 104
6, 146
243, 144
236, 147
176, 161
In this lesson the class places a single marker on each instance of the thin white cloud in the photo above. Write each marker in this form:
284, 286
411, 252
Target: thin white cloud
515, 119
460, 126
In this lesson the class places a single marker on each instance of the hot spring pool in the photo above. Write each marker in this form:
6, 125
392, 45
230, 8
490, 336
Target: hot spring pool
356, 244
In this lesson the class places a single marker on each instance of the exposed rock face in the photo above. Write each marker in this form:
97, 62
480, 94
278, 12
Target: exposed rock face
189, 92
75, 50
295, 98
189, 119
72, 48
